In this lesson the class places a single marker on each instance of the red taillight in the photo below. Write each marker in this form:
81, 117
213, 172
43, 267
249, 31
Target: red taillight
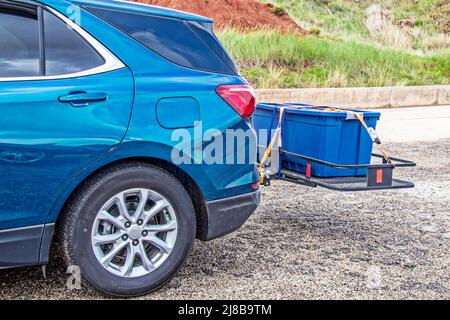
240, 97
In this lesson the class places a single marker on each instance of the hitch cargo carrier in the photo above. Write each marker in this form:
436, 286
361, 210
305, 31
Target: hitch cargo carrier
322, 146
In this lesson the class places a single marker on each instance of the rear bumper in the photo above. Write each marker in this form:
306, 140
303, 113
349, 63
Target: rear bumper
227, 215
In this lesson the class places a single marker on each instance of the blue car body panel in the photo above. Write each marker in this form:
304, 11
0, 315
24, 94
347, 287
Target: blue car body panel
45, 143
69, 144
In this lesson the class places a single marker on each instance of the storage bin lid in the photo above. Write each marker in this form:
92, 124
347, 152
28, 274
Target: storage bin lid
312, 110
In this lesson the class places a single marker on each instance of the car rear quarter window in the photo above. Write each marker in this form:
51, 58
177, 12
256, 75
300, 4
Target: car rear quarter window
66, 51
19, 44
206, 33
173, 39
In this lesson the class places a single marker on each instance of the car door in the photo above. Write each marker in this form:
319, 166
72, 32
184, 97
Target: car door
65, 100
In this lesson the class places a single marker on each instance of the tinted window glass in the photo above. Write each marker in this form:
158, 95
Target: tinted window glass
19, 45
65, 50
205, 32
171, 38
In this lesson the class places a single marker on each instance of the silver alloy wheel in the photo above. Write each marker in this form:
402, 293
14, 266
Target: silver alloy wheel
134, 232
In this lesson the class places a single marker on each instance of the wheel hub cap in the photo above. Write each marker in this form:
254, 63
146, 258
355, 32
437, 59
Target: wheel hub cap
134, 232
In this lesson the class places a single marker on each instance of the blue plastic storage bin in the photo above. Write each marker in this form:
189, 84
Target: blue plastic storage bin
323, 135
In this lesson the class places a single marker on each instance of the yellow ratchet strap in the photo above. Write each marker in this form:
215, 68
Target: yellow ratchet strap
268, 152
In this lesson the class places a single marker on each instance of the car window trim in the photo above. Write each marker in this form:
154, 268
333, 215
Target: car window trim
42, 62
111, 61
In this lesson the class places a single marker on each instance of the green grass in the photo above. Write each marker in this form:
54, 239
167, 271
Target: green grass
341, 50
332, 17
270, 59
345, 19
431, 15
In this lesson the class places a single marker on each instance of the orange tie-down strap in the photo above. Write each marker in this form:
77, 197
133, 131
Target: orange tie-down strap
372, 133
268, 152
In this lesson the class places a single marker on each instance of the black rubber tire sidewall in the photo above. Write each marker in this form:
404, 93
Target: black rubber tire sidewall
81, 249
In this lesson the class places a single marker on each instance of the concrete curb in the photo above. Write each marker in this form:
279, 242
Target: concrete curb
373, 98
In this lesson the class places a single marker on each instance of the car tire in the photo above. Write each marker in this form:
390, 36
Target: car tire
81, 221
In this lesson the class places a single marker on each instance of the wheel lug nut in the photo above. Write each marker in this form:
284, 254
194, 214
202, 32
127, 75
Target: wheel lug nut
140, 222
144, 233
127, 224
135, 242
124, 237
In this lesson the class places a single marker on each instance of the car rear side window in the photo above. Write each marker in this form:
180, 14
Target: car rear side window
173, 39
19, 44
66, 51
205, 32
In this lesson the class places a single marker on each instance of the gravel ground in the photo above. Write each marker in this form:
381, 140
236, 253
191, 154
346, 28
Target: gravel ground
312, 243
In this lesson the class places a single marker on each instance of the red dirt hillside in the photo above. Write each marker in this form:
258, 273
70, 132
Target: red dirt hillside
241, 14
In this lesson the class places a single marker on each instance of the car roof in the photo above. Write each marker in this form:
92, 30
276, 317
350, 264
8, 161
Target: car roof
127, 6
130, 6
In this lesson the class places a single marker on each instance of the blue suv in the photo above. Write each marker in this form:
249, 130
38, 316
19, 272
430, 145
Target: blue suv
98, 101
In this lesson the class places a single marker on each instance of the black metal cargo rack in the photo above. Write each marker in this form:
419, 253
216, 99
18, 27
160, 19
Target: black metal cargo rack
379, 177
